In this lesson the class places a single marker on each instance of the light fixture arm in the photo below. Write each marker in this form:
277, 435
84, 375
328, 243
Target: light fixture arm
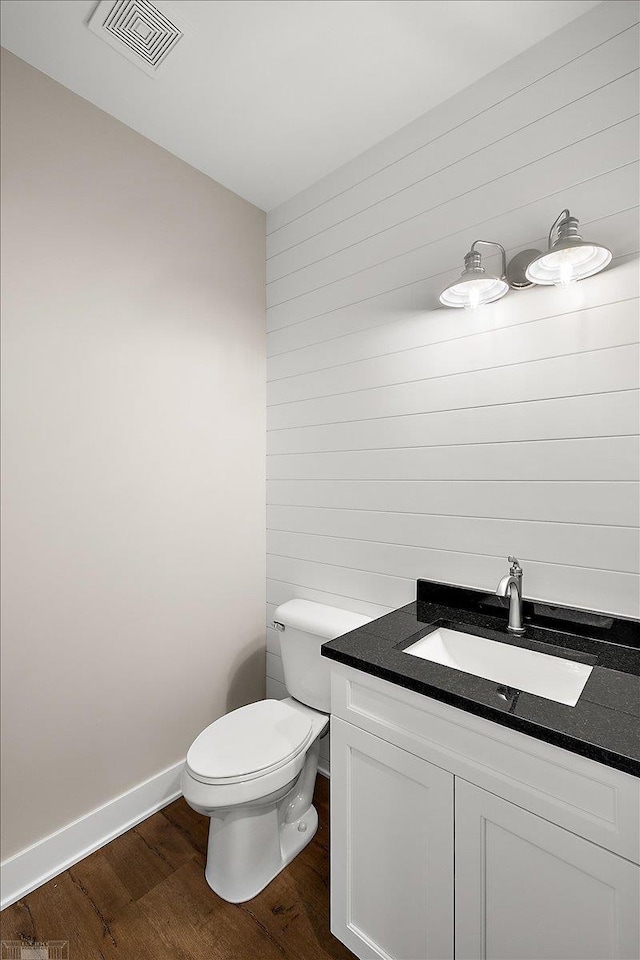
492, 243
566, 213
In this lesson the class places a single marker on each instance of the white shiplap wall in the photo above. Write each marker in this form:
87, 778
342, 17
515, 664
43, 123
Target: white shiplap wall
410, 441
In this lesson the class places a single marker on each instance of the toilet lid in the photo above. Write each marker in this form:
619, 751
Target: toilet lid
249, 742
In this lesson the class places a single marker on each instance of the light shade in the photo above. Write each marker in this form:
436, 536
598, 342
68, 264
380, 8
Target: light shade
569, 258
475, 285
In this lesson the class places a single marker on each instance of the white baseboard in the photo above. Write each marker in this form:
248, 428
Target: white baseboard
324, 767
34, 865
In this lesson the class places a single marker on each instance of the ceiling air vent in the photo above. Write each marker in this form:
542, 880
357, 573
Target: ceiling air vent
139, 30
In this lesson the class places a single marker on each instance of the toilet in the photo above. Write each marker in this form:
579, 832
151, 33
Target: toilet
253, 771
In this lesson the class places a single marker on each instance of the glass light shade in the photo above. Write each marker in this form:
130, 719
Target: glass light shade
471, 292
565, 264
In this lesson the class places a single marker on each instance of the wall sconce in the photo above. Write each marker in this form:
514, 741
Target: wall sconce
475, 285
568, 258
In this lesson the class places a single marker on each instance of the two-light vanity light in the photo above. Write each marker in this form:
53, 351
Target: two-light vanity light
567, 259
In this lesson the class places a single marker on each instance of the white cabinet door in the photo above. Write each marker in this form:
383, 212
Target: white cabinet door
391, 849
529, 890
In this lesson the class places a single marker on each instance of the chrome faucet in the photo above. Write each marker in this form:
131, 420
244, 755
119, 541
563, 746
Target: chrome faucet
511, 585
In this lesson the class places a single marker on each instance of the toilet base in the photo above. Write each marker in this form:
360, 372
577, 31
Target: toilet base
295, 836
254, 853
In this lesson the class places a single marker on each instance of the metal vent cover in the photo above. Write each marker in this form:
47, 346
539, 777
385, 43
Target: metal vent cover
138, 29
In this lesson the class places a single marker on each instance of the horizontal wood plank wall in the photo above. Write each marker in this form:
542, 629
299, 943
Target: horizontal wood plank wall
410, 441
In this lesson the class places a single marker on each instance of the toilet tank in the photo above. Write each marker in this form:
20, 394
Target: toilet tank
307, 626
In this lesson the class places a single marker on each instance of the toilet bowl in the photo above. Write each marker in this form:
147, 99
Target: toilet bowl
253, 771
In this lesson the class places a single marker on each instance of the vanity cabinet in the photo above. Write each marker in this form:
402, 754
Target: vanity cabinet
526, 888
392, 849
452, 836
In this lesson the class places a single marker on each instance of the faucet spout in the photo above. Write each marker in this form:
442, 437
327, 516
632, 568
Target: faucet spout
511, 586
503, 587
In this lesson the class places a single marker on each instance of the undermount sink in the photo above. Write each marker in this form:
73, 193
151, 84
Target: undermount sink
552, 677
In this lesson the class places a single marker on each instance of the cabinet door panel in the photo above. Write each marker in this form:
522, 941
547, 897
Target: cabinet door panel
391, 849
529, 890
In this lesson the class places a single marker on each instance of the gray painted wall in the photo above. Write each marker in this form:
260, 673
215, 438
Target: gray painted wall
133, 456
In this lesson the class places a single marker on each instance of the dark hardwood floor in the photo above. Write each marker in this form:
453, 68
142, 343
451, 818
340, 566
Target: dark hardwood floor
144, 897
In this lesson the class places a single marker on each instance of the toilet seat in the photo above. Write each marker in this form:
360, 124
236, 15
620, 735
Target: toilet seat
205, 795
249, 743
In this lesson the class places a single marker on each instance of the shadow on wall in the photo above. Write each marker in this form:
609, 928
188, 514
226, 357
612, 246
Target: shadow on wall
247, 678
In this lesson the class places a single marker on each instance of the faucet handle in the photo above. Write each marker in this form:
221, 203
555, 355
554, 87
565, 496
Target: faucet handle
515, 565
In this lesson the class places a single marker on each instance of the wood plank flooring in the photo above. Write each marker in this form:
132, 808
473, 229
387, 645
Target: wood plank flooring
144, 897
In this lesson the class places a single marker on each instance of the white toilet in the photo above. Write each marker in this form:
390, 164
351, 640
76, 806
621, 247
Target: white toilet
253, 771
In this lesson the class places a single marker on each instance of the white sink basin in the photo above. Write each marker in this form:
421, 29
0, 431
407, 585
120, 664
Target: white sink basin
552, 677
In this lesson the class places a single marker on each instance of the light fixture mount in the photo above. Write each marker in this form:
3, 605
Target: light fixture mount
517, 269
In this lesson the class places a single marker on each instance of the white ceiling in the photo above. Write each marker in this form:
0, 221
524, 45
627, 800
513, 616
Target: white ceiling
268, 96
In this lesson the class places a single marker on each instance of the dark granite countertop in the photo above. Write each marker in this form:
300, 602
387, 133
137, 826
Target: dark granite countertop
604, 725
